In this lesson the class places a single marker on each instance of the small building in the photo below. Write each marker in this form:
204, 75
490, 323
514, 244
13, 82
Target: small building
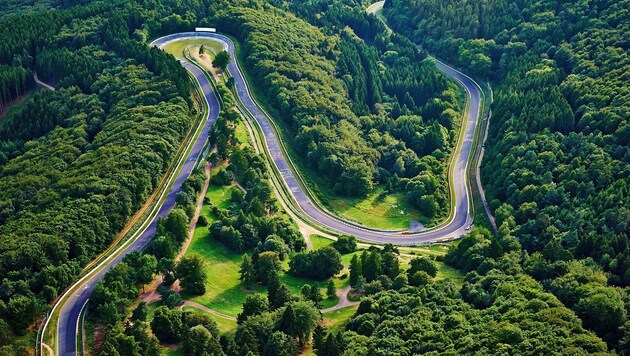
205, 29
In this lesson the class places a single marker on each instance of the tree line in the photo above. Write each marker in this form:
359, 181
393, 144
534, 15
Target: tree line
555, 169
76, 163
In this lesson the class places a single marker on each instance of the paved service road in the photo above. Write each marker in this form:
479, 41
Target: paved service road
461, 218
71, 309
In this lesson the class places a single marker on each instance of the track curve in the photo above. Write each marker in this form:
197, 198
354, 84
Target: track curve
461, 218
68, 323
454, 227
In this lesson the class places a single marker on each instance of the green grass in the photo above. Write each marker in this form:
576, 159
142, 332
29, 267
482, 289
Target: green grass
224, 292
319, 241
446, 272
378, 210
242, 134
224, 325
337, 319
176, 48
171, 352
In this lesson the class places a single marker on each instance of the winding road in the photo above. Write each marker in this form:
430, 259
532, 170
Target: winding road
73, 303
454, 227
461, 218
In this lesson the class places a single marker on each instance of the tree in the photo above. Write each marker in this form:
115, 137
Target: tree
372, 266
141, 312
202, 50
318, 264
268, 264
400, 281
167, 324
191, 273
315, 295
148, 344
603, 310
307, 316
280, 344
199, 342
305, 291
319, 334
221, 60
422, 264
167, 267
145, 270
255, 304
288, 323
247, 271
345, 244
330, 347
177, 224
355, 270
420, 278
20, 311
331, 290
281, 297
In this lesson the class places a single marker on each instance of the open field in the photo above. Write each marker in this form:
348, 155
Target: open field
225, 325
176, 48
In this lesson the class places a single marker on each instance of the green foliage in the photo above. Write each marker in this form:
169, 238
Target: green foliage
334, 93
556, 167
267, 265
167, 324
345, 244
535, 318
191, 273
331, 290
247, 271
221, 60
255, 304
319, 264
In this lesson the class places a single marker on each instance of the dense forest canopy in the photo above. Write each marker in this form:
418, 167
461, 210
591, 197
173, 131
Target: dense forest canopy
557, 165
365, 106
77, 162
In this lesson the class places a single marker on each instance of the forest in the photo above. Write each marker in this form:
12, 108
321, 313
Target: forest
363, 106
77, 162
557, 164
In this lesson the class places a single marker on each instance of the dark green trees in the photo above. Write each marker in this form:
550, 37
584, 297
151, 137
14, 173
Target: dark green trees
191, 273
221, 60
318, 264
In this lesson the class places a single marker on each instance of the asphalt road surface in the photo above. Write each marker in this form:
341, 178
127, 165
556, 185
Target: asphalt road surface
71, 309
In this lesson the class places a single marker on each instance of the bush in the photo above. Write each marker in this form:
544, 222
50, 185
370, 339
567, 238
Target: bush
345, 244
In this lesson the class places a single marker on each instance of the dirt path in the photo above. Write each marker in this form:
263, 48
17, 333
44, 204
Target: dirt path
206, 60
190, 303
343, 300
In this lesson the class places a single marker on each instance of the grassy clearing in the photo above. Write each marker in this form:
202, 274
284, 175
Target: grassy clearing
337, 319
446, 272
224, 292
384, 211
225, 325
176, 48
319, 241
